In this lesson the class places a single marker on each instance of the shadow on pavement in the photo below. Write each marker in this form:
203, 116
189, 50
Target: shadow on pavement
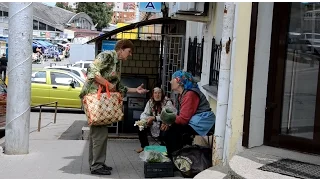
79, 165
74, 132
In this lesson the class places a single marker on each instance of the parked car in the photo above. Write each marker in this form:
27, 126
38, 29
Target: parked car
82, 64
78, 71
49, 85
312, 42
3, 103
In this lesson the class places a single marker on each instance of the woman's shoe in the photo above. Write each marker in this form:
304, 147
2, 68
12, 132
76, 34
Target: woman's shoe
139, 150
101, 171
107, 167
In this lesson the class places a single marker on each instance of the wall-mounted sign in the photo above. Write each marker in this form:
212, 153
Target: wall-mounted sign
42, 33
108, 45
150, 7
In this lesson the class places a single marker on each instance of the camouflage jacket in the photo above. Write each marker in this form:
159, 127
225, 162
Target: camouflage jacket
108, 66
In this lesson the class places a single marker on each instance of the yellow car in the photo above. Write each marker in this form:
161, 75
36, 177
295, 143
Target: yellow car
49, 85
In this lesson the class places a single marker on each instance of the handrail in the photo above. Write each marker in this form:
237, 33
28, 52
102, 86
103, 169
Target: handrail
55, 112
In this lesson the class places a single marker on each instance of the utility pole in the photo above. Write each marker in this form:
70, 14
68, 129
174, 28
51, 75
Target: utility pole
137, 12
19, 73
224, 82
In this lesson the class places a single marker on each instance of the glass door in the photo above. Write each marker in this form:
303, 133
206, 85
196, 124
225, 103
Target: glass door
295, 92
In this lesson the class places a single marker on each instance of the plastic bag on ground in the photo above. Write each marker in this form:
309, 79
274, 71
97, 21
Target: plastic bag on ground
153, 157
191, 160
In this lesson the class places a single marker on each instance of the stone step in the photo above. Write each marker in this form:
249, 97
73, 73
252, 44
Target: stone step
217, 172
86, 132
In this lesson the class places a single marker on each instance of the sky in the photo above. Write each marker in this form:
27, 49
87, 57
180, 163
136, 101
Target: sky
50, 3
54, 3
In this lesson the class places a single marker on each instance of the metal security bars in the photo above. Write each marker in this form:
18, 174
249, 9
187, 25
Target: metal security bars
195, 56
173, 56
215, 63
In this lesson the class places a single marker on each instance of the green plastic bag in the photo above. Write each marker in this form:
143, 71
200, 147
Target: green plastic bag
168, 115
161, 149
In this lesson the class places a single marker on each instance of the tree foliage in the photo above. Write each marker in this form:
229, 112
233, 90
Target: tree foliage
64, 6
100, 12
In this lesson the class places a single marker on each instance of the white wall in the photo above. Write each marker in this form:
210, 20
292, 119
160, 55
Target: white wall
80, 52
192, 29
81, 40
208, 30
260, 74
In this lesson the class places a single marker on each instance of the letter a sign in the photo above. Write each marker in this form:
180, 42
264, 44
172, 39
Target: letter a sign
150, 7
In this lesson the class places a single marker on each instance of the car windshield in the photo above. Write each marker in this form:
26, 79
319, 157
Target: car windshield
3, 89
76, 77
83, 71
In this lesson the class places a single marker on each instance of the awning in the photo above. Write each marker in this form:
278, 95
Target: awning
133, 26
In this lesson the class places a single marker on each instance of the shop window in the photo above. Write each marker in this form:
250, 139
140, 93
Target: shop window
42, 26
50, 28
35, 25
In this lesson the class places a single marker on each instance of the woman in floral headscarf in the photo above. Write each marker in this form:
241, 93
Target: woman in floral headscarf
151, 113
194, 115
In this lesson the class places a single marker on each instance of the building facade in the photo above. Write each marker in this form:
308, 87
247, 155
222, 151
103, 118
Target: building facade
49, 22
123, 12
270, 96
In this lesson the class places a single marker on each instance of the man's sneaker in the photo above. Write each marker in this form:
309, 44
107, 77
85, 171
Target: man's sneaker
107, 167
101, 171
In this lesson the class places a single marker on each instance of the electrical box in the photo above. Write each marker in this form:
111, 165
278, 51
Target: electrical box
191, 11
186, 8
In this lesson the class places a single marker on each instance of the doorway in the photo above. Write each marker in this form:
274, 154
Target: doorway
293, 100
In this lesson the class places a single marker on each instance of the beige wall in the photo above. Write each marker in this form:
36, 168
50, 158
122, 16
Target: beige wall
208, 30
238, 78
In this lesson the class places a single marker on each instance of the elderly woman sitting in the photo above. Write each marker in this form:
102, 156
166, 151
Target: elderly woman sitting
194, 115
151, 113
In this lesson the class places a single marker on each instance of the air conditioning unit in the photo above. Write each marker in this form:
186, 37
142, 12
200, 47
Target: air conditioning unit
191, 11
194, 8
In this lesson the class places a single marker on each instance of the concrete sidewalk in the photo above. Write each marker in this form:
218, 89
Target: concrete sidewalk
51, 155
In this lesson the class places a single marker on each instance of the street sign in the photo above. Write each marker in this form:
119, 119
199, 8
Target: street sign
108, 45
150, 7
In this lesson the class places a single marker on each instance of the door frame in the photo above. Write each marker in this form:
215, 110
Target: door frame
273, 113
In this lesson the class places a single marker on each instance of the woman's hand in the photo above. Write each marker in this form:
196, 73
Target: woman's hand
103, 82
150, 120
164, 127
141, 90
111, 87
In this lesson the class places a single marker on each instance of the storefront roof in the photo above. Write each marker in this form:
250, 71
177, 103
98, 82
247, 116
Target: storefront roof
133, 26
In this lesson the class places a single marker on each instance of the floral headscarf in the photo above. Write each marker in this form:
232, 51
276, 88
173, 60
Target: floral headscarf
185, 79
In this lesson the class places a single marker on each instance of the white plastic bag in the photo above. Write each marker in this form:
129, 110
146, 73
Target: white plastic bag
171, 108
153, 157
141, 124
155, 129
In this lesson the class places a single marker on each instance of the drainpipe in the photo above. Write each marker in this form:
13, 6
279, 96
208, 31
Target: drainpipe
137, 17
224, 81
228, 130
19, 73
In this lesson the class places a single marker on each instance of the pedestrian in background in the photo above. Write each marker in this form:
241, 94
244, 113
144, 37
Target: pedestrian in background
3, 67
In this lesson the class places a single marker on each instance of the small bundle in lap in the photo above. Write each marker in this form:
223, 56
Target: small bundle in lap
103, 108
168, 115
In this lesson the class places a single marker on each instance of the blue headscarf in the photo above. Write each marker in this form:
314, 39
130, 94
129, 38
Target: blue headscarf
185, 79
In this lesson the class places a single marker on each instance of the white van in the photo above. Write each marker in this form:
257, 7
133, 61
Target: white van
82, 64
